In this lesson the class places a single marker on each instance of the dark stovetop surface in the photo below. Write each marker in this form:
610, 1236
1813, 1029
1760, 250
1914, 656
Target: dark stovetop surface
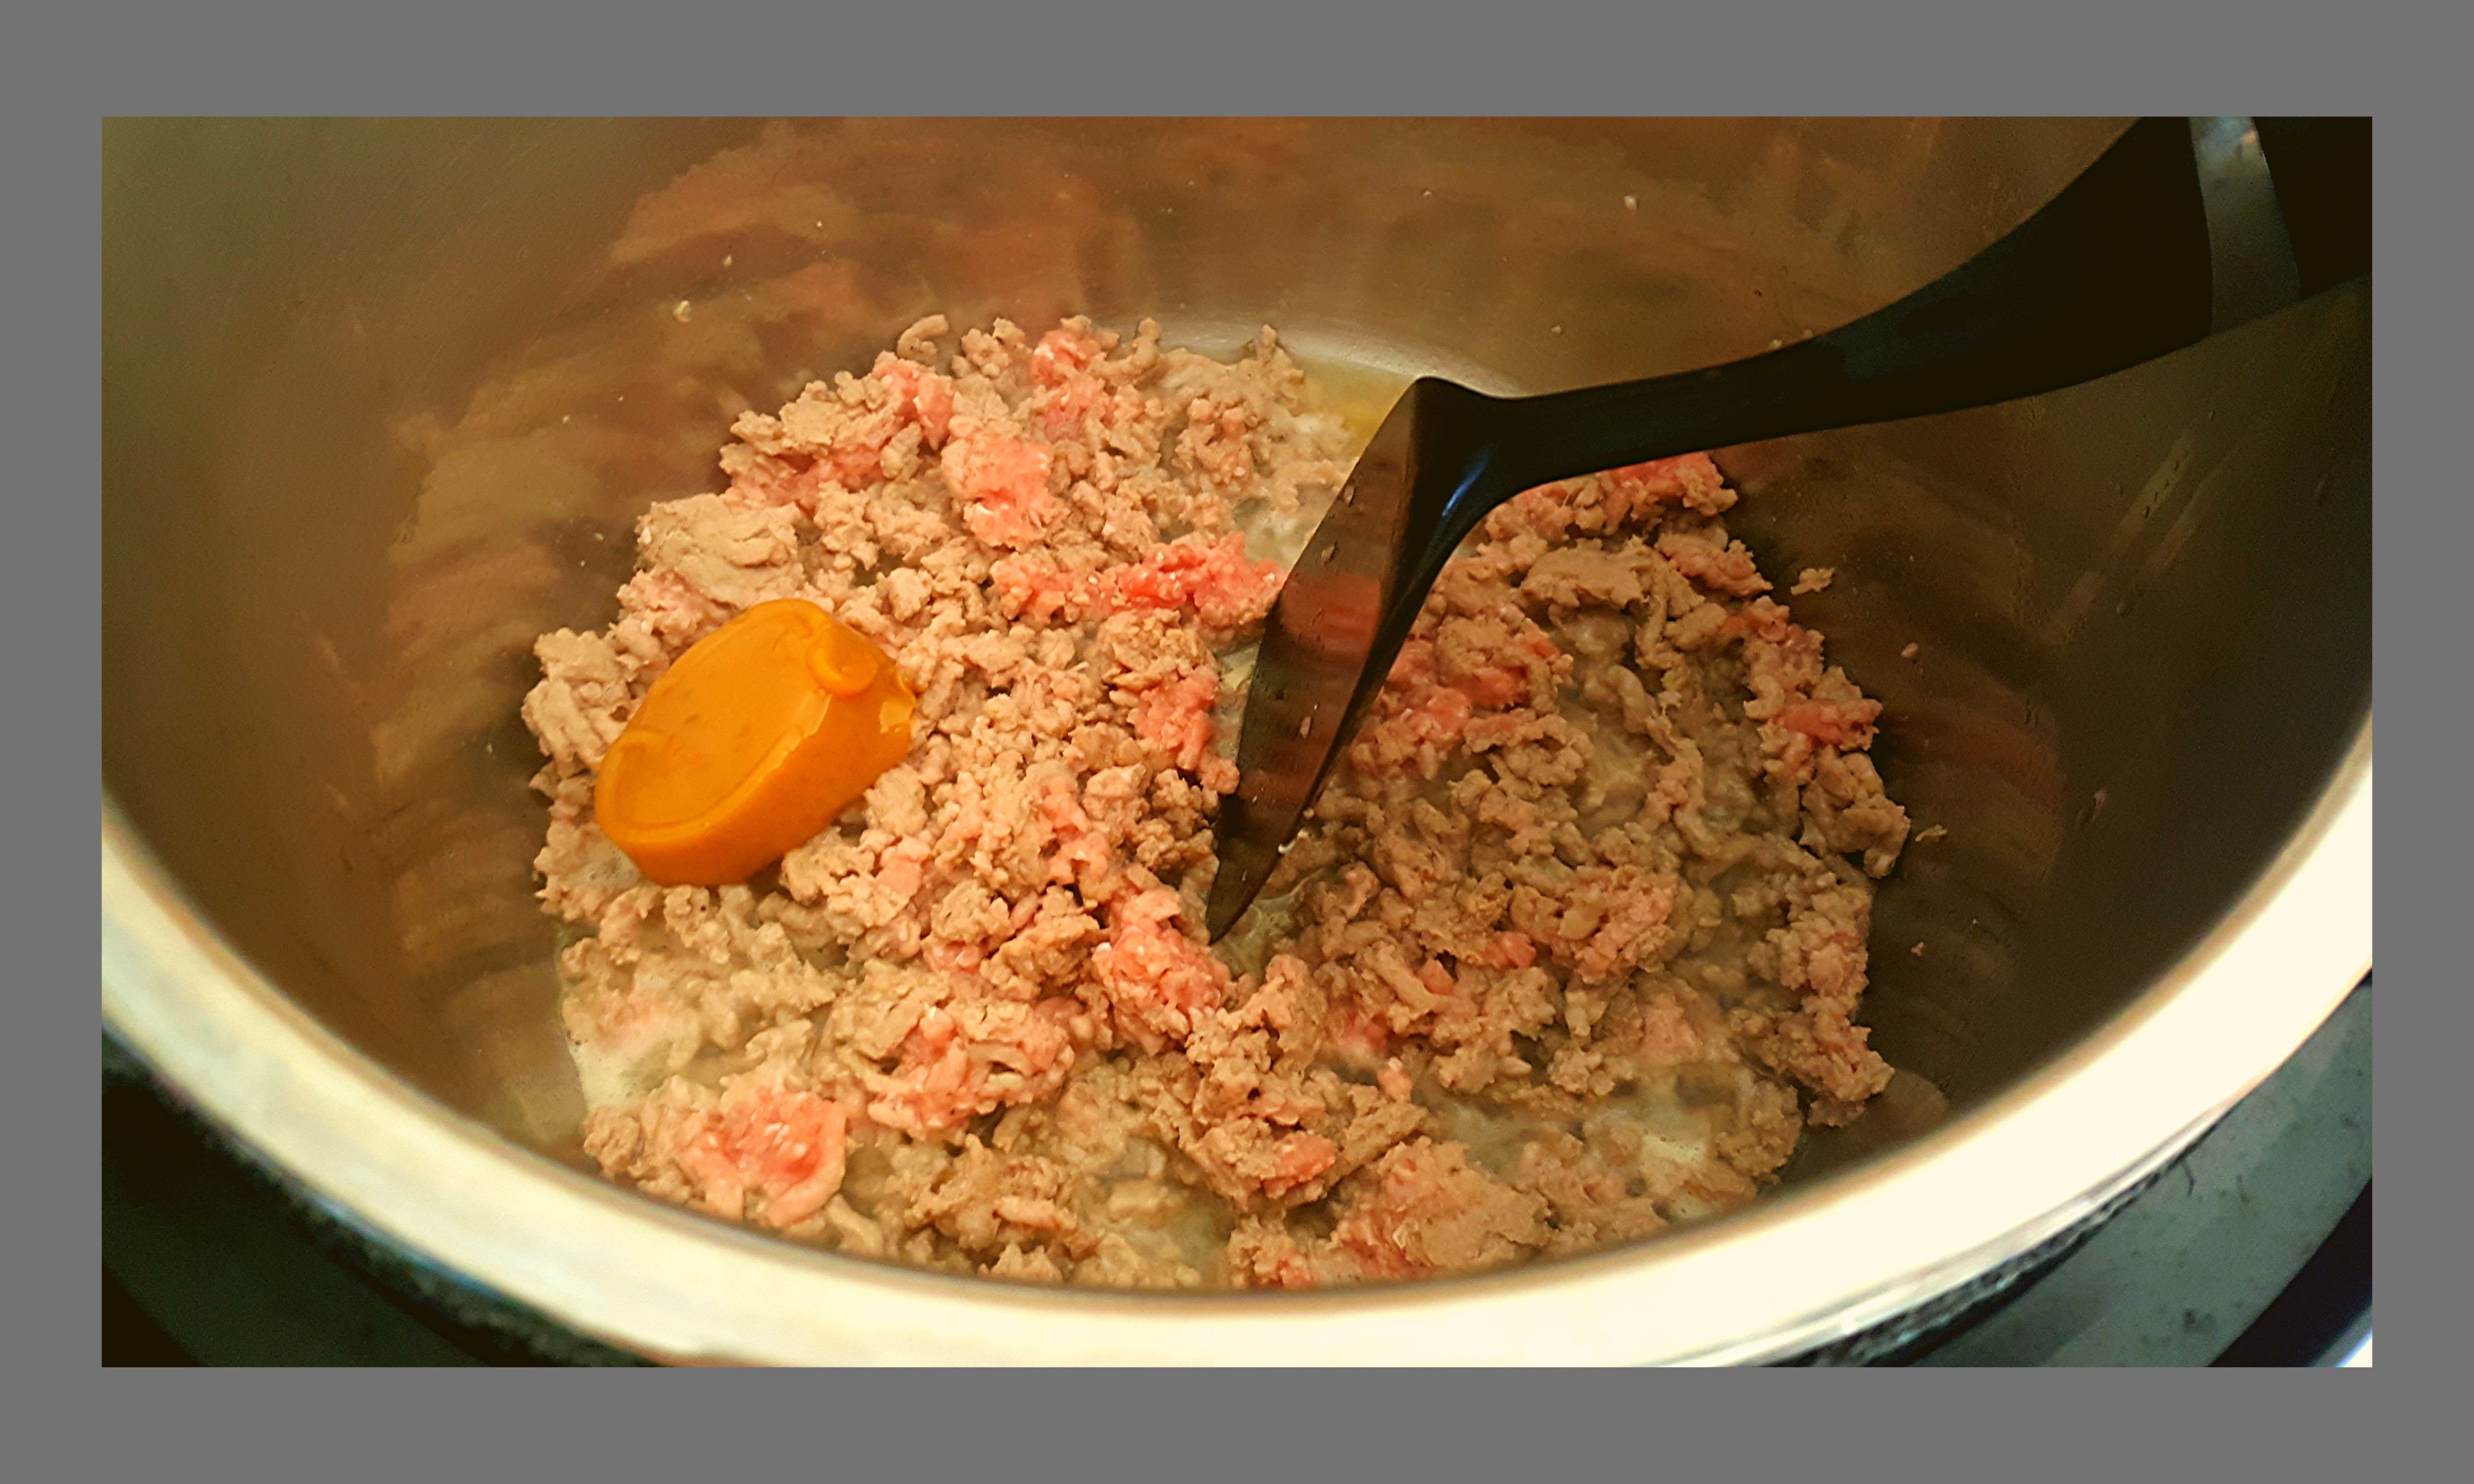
2252, 1249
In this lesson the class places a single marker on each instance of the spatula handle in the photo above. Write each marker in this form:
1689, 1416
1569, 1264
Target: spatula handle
2172, 234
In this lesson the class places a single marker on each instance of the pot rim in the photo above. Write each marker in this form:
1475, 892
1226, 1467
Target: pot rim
1800, 1268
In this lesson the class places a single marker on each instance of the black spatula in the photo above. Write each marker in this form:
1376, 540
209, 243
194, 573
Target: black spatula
2182, 229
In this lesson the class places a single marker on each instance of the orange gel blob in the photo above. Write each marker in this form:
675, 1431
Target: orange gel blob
751, 743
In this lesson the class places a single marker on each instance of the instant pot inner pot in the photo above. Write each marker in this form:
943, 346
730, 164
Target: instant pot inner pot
382, 399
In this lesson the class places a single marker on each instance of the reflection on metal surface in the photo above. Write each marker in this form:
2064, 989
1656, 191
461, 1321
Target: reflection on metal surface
2252, 265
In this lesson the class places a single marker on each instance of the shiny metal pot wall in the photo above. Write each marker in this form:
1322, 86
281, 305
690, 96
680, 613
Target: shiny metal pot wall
381, 399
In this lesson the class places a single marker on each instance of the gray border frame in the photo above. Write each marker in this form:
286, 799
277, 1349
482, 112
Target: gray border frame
2112, 58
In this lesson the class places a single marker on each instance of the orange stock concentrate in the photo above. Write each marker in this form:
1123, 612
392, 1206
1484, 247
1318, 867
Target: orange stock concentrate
749, 744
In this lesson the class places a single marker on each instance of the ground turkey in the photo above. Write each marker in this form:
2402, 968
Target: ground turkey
1571, 950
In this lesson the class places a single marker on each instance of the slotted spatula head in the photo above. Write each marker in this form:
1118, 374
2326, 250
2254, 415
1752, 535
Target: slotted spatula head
1339, 623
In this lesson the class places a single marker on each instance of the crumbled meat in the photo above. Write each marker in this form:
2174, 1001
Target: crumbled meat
1571, 952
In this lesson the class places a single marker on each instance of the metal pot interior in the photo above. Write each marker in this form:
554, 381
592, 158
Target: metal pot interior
382, 399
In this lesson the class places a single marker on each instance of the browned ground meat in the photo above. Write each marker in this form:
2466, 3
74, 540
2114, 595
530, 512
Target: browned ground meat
1570, 952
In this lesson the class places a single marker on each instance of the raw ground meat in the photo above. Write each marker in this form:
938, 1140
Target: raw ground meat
1570, 952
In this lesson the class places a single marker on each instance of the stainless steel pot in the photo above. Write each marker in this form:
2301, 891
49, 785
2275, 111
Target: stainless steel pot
381, 399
